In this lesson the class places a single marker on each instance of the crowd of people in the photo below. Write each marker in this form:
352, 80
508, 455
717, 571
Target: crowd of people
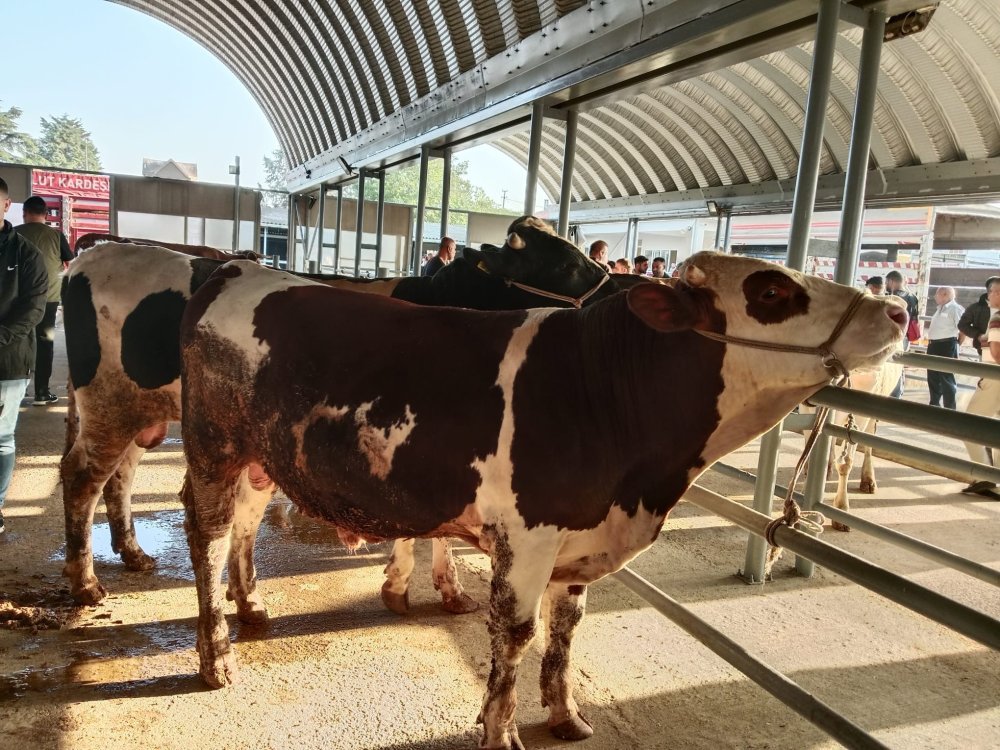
640, 266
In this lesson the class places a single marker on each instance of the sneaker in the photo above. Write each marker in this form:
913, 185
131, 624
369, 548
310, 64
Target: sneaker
45, 398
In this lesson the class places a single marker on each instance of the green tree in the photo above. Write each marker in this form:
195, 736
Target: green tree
67, 144
15, 145
275, 169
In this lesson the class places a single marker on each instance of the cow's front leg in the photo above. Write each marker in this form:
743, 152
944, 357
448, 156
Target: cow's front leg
118, 502
565, 610
255, 491
845, 462
84, 470
521, 571
453, 596
868, 483
208, 521
396, 589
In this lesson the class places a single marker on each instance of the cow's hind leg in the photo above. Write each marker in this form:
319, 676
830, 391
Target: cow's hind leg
118, 501
520, 576
208, 522
84, 470
868, 484
453, 596
396, 589
845, 462
565, 610
254, 493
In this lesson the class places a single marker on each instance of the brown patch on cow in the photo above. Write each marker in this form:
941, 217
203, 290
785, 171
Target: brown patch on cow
151, 436
105, 312
774, 297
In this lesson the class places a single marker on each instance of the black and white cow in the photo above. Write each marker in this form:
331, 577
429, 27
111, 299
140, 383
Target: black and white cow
123, 305
552, 467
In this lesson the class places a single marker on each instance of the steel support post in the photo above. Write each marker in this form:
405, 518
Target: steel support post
235, 169
359, 227
320, 227
379, 223
569, 159
445, 191
728, 236
303, 202
763, 497
853, 206
534, 156
337, 230
815, 491
924, 266
418, 229
717, 239
291, 252
632, 239
812, 133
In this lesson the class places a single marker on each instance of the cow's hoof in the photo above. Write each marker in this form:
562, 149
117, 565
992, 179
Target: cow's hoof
510, 741
572, 728
251, 613
838, 526
867, 486
398, 603
138, 561
220, 671
90, 593
462, 604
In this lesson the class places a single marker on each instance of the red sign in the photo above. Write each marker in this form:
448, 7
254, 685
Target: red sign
71, 183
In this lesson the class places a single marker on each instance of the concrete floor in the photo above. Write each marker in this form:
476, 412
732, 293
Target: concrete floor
334, 669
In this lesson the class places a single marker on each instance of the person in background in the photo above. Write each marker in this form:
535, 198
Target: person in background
56, 255
875, 285
599, 252
894, 286
24, 286
976, 318
942, 337
986, 400
445, 255
659, 268
641, 265
622, 266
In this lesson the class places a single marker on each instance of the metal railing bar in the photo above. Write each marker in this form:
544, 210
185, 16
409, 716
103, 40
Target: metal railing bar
777, 684
959, 469
958, 425
969, 622
948, 364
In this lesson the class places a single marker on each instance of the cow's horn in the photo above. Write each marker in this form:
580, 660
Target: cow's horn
515, 241
694, 275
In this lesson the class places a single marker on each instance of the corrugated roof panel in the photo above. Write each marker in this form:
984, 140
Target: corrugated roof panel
491, 27
404, 87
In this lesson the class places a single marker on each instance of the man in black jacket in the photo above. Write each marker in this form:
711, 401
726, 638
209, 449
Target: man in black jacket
24, 285
976, 318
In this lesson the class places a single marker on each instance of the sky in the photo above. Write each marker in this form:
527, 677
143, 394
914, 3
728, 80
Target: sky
143, 89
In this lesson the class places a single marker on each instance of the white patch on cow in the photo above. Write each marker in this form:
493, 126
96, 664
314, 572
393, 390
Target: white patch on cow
495, 498
591, 554
319, 411
379, 445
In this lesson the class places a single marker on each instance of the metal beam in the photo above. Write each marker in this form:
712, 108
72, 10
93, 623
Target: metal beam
320, 228
418, 228
569, 158
445, 191
359, 227
379, 223
338, 230
534, 155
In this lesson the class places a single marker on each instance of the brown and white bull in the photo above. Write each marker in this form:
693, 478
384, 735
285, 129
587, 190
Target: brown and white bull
123, 306
552, 468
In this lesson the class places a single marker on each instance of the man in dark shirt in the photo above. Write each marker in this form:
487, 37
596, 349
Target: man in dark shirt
23, 288
52, 244
445, 255
976, 318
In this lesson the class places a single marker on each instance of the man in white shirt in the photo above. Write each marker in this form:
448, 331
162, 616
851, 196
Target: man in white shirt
986, 400
942, 338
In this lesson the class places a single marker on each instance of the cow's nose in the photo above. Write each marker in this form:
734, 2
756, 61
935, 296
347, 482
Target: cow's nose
897, 315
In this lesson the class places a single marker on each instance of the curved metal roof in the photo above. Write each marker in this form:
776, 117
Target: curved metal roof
340, 78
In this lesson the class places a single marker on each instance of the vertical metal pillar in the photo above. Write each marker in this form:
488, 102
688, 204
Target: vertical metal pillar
534, 156
853, 207
445, 191
379, 221
814, 491
763, 498
337, 231
812, 132
418, 230
569, 159
717, 240
300, 262
320, 227
291, 252
359, 227
235, 170
924, 266
631, 238
728, 237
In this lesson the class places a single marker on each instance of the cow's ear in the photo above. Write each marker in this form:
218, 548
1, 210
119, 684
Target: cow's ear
488, 259
667, 308
515, 241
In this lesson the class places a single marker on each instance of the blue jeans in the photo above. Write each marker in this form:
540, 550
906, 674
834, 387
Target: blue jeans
11, 393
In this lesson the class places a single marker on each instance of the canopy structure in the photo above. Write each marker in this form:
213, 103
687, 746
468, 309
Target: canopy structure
673, 96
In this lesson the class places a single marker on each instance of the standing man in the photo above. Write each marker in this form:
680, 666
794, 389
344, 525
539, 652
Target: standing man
894, 286
976, 318
641, 265
986, 400
942, 337
659, 268
445, 255
52, 244
599, 253
875, 285
24, 286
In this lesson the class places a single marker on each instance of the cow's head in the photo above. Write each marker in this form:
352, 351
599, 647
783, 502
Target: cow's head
536, 256
762, 302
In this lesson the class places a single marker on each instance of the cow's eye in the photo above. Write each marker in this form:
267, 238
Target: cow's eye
771, 293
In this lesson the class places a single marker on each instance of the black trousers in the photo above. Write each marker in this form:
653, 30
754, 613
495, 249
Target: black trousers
45, 340
942, 384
